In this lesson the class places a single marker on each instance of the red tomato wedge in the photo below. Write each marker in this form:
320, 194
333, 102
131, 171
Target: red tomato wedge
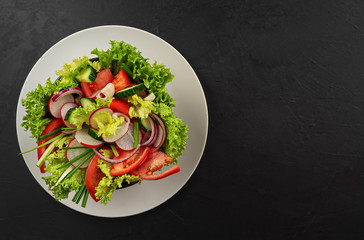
86, 89
129, 165
103, 78
121, 80
53, 125
93, 177
120, 106
155, 161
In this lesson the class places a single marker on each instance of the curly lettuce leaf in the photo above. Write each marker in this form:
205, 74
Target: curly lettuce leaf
82, 114
36, 108
155, 77
124, 56
106, 124
176, 140
141, 108
36, 102
107, 186
162, 109
71, 70
104, 166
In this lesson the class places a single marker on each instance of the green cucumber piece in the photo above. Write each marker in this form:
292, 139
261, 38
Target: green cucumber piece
130, 91
87, 75
69, 115
86, 102
145, 124
93, 134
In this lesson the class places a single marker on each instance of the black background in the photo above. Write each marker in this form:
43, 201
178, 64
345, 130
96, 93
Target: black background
284, 83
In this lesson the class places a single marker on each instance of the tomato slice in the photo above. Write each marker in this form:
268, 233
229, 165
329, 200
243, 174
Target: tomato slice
93, 177
86, 89
174, 169
121, 80
129, 165
53, 125
155, 161
120, 106
103, 78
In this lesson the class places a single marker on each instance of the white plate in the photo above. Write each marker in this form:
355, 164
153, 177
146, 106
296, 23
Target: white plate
185, 89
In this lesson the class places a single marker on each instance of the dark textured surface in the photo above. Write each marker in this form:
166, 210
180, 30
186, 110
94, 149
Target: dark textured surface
284, 82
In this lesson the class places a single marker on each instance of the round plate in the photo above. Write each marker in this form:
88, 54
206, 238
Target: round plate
185, 89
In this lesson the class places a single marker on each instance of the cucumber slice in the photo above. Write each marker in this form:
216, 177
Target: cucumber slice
66, 112
70, 115
145, 124
87, 75
86, 102
130, 91
93, 134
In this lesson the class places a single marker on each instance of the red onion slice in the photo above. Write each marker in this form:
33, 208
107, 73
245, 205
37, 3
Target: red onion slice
156, 133
116, 115
127, 141
68, 131
163, 126
117, 160
153, 133
67, 91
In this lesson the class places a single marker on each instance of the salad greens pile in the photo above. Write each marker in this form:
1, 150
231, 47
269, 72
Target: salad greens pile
120, 56
155, 77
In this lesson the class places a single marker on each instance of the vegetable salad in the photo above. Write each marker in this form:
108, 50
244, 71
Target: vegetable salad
106, 123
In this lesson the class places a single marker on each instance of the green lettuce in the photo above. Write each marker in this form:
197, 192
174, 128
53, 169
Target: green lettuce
36, 102
162, 109
36, 108
155, 77
106, 124
124, 56
140, 108
82, 114
176, 140
71, 70
107, 186
104, 166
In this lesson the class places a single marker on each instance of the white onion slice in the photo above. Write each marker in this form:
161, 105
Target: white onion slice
108, 91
